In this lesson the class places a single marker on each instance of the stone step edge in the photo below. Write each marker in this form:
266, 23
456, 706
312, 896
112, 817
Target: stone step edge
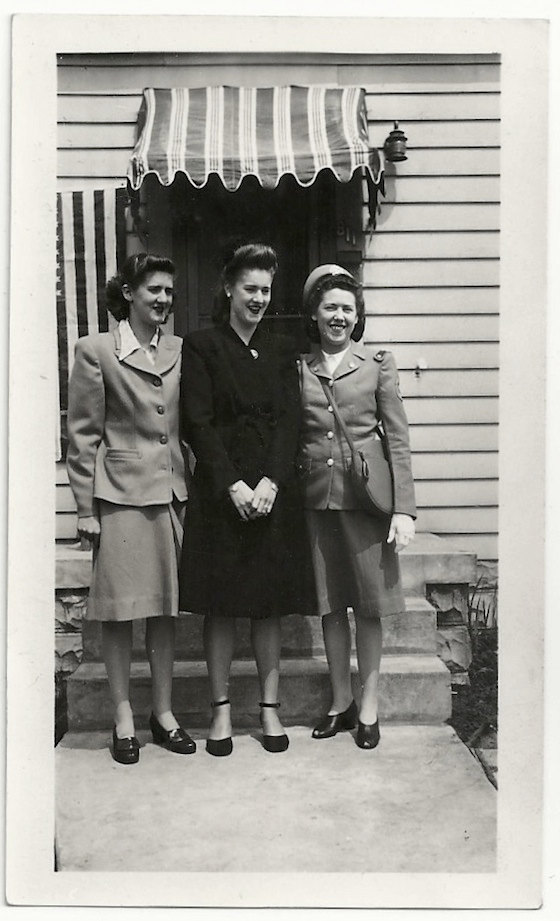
415, 664
415, 603
73, 566
417, 607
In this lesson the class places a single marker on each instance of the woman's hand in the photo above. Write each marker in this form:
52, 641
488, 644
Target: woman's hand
242, 497
263, 497
90, 529
402, 531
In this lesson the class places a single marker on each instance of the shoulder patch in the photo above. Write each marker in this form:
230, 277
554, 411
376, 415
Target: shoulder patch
379, 355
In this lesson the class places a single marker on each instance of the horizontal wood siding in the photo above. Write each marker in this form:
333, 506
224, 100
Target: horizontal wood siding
436, 251
431, 274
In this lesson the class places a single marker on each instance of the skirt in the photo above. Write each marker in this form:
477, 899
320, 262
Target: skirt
353, 565
235, 568
135, 566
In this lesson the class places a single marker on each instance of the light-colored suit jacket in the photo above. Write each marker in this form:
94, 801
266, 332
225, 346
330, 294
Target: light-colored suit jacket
123, 424
365, 387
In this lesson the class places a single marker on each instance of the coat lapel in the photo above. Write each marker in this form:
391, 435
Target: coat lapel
316, 363
167, 353
353, 359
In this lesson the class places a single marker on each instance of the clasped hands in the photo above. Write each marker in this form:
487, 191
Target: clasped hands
253, 503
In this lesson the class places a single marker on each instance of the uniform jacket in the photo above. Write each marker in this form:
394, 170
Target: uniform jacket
239, 414
123, 424
366, 391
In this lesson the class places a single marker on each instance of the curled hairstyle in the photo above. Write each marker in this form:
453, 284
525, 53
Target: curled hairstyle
249, 256
134, 271
328, 283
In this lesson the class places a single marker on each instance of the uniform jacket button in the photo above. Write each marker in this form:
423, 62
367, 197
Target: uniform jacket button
156, 382
163, 439
330, 409
330, 462
161, 410
330, 434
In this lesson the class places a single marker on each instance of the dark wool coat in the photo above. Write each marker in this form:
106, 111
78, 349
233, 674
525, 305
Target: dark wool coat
240, 415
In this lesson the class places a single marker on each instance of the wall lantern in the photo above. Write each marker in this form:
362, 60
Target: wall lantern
395, 145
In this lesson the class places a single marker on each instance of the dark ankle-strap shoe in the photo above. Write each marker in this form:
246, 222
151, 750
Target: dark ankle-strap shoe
219, 747
274, 743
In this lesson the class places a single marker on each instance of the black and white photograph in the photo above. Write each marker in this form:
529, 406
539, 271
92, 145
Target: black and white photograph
279, 426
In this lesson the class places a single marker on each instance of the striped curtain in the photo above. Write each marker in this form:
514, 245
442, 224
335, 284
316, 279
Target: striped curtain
266, 132
90, 244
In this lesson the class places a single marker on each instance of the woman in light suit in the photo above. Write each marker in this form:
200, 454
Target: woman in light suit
127, 473
354, 554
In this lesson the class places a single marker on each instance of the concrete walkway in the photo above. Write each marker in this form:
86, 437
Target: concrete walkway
419, 803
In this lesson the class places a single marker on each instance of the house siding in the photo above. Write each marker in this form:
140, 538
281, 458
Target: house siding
431, 271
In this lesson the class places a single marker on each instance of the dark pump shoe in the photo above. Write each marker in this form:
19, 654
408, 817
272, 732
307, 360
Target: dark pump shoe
125, 751
175, 740
274, 743
219, 747
367, 736
330, 725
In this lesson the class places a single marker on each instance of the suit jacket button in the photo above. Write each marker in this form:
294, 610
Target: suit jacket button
330, 462
163, 439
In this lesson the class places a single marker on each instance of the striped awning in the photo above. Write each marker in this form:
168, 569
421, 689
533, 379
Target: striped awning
247, 131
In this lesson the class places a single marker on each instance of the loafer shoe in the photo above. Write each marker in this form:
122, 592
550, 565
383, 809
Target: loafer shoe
125, 751
175, 740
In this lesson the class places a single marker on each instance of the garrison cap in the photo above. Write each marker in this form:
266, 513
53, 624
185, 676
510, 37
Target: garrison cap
318, 274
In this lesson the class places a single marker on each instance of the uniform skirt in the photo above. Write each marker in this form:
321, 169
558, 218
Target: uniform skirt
135, 565
353, 565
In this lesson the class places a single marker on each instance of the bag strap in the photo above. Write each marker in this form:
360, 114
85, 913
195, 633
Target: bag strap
379, 428
336, 411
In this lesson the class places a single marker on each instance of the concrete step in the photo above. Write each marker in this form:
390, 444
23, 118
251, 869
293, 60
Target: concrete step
302, 636
432, 560
413, 688
428, 560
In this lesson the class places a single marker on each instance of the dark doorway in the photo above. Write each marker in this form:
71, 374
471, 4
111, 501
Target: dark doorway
306, 227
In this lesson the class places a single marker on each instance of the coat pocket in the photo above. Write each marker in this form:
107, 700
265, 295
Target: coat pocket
122, 454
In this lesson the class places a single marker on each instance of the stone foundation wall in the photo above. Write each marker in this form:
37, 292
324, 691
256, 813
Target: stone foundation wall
461, 608
70, 608
453, 643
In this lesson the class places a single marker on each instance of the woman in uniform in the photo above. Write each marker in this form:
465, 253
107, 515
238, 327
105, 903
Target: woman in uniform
354, 554
127, 473
240, 415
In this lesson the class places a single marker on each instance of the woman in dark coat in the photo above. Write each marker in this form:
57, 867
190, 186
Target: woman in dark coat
354, 554
240, 415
